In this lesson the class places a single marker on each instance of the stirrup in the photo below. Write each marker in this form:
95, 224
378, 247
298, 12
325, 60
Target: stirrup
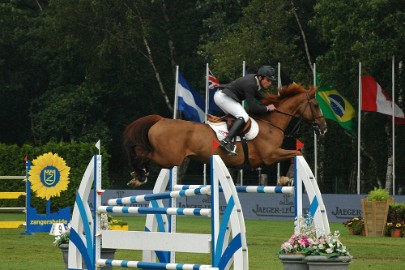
229, 147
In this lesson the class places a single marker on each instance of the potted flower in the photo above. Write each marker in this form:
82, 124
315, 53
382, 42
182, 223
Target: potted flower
309, 249
327, 252
62, 241
375, 210
395, 229
355, 225
396, 219
291, 251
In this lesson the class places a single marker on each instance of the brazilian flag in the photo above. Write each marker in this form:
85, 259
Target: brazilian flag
335, 107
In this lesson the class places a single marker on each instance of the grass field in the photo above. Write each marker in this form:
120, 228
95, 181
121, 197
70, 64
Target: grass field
264, 238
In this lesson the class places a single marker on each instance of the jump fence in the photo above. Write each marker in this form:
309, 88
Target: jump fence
226, 243
13, 195
160, 241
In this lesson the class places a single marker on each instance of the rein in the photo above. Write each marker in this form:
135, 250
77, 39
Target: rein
272, 125
296, 126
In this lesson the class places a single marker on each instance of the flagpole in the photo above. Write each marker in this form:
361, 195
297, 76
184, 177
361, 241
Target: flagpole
176, 92
243, 104
278, 93
207, 103
393, 126
359, 133
315, 137
174, 170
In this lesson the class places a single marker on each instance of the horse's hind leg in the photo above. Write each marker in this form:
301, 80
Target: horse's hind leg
139, 164
140, 173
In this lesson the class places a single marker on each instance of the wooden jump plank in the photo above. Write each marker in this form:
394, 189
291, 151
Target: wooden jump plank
12, 177
138, 240
11, 224
11, 195
12, 209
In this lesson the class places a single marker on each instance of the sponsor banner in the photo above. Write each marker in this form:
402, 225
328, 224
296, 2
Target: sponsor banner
339, 207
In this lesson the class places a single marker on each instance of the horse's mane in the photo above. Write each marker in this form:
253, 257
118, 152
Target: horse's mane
286, 92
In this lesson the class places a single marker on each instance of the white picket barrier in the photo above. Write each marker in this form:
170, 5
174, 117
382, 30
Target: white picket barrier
226, 243
304, 180
317, 210
160, 241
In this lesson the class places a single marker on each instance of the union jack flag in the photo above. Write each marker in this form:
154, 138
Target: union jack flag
212, 85
212, 81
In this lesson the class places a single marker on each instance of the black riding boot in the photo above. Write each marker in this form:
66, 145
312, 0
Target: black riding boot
233, 131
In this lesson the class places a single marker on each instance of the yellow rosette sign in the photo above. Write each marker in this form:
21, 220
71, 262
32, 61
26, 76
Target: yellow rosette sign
49, 175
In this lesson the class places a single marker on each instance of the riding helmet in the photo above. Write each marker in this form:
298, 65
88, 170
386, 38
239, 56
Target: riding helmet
267, 71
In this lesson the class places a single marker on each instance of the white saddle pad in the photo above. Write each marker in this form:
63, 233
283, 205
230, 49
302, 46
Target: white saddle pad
222, 130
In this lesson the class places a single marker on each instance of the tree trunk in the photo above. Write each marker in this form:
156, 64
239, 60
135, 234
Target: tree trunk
151, 61
304, 38
172, 49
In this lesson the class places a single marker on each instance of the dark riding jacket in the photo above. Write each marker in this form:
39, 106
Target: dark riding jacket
245, 88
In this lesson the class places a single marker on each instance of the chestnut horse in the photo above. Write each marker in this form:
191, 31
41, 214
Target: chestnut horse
167, 142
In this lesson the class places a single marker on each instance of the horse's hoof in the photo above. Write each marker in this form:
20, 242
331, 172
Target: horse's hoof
134, 183
285, 181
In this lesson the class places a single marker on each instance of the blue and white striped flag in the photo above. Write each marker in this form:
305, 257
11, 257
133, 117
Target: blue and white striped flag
189, 101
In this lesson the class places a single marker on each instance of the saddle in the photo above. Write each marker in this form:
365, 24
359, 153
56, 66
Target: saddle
221, 125
229, 119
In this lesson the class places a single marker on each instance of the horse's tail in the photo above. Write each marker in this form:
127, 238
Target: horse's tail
136, 141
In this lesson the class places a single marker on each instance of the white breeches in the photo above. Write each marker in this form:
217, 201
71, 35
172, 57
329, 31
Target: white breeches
229, 105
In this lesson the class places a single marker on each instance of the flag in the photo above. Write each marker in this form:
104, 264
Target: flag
335, 107
215, 145
189, 101
299, 145
397, 120
212, 88
98, 145
374, 98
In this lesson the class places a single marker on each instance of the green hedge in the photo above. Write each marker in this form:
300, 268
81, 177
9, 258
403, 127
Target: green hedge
396, 213
77, 156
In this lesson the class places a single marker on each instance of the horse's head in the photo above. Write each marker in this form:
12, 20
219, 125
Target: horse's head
311, 111
296, 101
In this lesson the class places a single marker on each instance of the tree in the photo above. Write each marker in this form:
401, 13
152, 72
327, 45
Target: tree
358, 31
23, 77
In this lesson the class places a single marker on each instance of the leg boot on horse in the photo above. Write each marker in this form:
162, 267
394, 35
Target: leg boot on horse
227, 143
139, 178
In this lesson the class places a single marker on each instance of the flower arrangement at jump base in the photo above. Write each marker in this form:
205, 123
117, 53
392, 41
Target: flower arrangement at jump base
115, 224
307, 248
63, 238
62, 241
327, 245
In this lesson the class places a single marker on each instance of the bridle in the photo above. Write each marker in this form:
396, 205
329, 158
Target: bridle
296, 127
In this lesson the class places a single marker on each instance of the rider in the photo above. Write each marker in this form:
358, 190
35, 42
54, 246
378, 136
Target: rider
229, 98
